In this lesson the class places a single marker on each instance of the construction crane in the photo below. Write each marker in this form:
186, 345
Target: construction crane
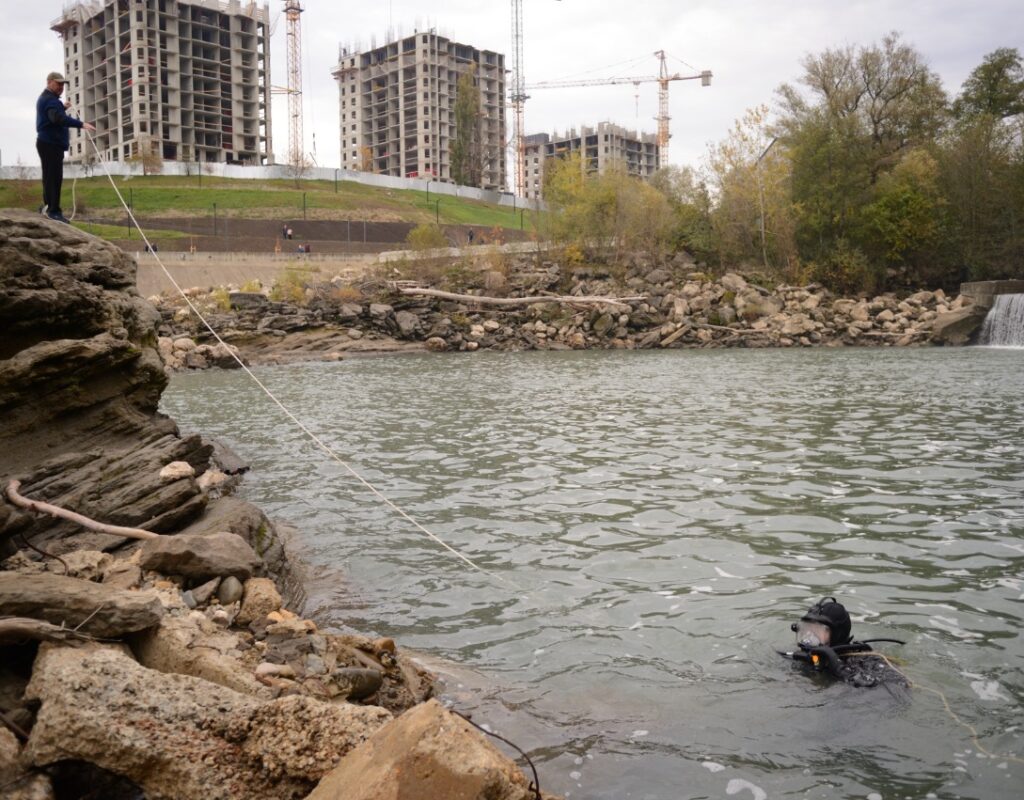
663, 79
293, 10
517, 96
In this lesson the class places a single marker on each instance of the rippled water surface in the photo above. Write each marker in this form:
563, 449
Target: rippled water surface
654, 522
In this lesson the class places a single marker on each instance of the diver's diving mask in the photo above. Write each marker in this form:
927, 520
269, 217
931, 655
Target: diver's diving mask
811, 634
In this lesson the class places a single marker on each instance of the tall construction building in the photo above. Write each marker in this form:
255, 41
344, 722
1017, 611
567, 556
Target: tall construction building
600, 148
181, 80
397, 111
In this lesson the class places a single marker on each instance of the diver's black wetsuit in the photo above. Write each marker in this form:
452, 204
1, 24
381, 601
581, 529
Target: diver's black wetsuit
854, 663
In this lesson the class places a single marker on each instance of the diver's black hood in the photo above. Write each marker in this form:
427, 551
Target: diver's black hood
828, 612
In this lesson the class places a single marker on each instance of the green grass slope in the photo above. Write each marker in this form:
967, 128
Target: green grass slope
172, 196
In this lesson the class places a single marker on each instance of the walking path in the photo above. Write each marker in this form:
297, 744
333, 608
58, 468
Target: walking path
222, 269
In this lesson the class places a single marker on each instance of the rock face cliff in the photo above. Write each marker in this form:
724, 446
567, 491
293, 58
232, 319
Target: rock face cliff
80, 380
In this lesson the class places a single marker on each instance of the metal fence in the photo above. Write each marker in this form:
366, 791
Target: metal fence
281, 172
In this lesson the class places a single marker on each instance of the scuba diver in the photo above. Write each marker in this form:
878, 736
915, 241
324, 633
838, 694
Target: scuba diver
825, 642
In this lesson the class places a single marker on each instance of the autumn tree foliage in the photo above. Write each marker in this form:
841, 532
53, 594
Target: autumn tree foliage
466, 153
865, 176
611, 213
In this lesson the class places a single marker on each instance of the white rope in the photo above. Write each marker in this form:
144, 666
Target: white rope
316, 439
74, 201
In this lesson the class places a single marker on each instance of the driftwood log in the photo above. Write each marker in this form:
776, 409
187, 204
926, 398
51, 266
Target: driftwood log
55, 511
619, 302
735, 331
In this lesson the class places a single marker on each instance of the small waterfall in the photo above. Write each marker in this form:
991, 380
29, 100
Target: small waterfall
1004, 324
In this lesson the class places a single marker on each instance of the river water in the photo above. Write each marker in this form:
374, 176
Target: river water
650, 523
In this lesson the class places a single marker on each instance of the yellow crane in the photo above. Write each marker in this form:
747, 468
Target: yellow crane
663, 79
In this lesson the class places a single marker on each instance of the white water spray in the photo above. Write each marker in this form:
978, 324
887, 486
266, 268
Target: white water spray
1004, 324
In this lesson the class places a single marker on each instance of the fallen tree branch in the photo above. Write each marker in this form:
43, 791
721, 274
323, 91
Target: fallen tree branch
55, 511
18, 629
736, 331
620, 302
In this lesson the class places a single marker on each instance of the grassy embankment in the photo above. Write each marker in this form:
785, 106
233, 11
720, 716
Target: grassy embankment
172, 196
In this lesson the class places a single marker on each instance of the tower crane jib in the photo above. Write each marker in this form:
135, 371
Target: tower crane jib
663, 79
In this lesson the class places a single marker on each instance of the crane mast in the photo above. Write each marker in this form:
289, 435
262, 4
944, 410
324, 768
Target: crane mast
663, 115
517, 96
293, 9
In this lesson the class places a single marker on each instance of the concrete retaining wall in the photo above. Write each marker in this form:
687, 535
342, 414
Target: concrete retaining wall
984, 292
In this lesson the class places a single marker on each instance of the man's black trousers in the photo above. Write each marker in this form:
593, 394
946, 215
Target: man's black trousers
51, 156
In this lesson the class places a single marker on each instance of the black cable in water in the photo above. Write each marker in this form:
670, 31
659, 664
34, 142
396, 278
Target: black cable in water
535, 786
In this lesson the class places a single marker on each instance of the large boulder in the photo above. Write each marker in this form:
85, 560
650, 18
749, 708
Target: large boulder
958, 327
94, 608
193, 645
182, 738
428, 752
77, 336
201, 557
247, 301
751, 304
61, 283
732, 282
408, 324
248, 521
261, 598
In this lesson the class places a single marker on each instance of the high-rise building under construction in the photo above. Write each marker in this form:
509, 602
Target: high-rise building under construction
398, 109
608, 146
183, 80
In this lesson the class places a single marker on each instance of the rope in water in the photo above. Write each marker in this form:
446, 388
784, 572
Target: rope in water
975, 736
284, 409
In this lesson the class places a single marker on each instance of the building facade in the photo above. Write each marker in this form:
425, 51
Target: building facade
600, 148
179, 80
397, 108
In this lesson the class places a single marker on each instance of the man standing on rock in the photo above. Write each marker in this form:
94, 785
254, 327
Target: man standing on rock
52, 140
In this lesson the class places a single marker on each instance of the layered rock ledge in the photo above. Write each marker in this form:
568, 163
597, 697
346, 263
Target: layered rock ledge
178, 666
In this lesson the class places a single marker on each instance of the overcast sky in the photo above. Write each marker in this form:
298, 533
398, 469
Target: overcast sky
751, 46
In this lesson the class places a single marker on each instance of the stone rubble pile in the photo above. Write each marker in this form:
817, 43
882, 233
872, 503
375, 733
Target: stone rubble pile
678, 309
205, 615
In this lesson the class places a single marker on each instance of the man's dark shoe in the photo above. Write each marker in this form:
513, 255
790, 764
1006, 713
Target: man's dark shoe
59, 218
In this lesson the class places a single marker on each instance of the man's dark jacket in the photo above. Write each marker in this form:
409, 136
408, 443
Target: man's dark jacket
52, 122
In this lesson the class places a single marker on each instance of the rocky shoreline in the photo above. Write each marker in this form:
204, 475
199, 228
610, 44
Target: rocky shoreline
176, 665
676, 307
